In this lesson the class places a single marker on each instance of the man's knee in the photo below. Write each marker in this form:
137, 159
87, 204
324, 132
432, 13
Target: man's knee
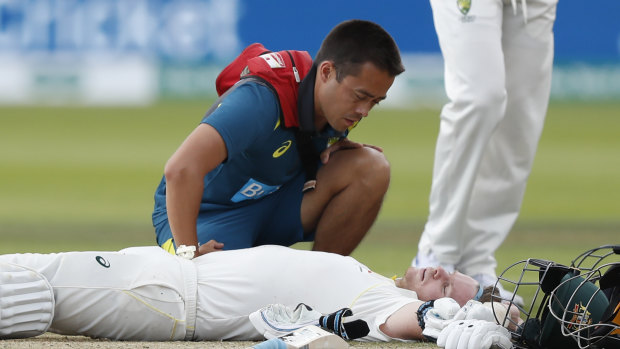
363, 170
488, 105
359, 162
26, 302
372, 169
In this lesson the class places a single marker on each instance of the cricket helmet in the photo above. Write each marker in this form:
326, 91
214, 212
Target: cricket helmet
571, 306
587, 306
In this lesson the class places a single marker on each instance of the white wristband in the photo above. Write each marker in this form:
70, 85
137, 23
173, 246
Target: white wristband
186, 252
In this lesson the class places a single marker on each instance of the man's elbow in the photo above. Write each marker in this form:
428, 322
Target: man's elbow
175, 172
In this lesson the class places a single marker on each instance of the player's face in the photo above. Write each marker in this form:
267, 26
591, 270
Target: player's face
433, 283
344, 103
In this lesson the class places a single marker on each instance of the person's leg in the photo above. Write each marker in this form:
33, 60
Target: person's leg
506, 165
26, 302
134, 294
475, 85
281, 211
234, 227
346, 200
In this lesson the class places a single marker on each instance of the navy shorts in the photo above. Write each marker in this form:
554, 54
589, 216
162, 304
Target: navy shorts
272, 220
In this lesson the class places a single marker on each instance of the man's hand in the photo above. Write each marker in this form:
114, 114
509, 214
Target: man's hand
344, 143
505, 314
210, 246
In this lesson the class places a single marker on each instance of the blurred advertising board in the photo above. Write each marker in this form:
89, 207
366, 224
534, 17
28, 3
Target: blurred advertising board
137, 51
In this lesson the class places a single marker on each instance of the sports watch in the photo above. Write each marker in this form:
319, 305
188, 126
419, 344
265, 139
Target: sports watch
186, 252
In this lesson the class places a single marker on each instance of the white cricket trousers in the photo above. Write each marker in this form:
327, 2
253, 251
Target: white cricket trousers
140, 293
497, 78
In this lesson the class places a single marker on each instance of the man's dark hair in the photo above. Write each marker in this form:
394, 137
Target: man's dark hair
489, 294
355, 42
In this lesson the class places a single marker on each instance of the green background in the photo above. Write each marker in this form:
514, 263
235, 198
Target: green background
83, 178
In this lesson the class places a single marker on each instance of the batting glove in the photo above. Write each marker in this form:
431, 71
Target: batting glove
435, 315
474, 310
276, 320
474, 334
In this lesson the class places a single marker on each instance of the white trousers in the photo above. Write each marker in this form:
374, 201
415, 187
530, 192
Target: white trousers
497, 78
141, 293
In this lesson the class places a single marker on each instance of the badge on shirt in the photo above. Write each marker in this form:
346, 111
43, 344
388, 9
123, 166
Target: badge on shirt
253, 189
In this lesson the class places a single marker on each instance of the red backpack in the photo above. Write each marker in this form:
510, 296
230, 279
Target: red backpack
282, 71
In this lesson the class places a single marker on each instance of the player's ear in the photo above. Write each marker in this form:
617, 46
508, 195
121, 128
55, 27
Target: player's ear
326, 70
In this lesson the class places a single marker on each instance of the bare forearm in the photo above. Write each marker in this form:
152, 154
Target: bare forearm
183, 196
403, 323
201, 152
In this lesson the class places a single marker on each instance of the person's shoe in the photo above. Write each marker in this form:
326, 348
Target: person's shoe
486, 280
423, 260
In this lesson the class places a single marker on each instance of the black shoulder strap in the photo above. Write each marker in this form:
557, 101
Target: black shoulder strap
305, 107
307, 153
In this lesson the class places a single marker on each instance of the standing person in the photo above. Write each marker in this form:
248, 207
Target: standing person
237, 180
498, 59
145, 293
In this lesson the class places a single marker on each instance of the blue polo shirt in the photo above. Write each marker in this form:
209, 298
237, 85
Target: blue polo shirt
262, 156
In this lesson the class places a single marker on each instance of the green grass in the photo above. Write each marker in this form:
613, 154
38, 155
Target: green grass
83, 178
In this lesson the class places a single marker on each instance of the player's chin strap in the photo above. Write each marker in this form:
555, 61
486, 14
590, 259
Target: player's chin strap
26, 302
276, 320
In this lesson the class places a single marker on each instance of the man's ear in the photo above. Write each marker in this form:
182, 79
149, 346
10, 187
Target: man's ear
326, 70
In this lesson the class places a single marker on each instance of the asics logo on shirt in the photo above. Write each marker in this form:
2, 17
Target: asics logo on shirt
282, 149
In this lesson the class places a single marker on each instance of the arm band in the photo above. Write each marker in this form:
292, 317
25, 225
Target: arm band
426, 306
